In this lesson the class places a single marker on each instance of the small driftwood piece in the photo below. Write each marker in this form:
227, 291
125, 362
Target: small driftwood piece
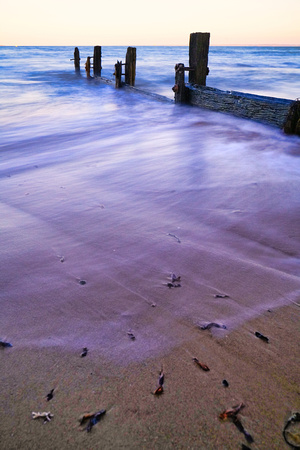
47, 416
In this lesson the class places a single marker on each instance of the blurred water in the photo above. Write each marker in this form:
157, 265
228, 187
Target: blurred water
72, 145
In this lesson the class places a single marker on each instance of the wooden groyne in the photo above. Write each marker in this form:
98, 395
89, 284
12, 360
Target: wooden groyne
277, 112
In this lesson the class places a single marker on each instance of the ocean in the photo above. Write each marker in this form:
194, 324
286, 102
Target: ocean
117, 181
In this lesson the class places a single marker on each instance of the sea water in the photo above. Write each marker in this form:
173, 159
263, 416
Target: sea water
227, 188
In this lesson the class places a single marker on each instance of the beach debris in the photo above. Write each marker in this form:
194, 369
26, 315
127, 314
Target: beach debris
161, 380
221, 296
47, 416
201, 365
153, 305
93, 419
211, 325
159, 390
175, 278
261, 336
174, 236
225, 383
173, 285
84, 352
291, 432
82, 282
175, 281
131, 335
231, 414
5, 344
50, 395
61, 258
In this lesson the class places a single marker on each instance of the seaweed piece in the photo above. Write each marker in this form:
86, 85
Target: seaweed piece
231, 412
175, 278
131, 335
292, 436
221, 296
201, 365
84, 352
261, 336
95, 419
174, 236
232, 415
5, 344
213, 324
173, 285
161, 378
159, 390
50, 395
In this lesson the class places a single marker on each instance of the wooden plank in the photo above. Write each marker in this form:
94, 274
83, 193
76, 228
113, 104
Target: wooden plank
198, 58
269, 110
130, 66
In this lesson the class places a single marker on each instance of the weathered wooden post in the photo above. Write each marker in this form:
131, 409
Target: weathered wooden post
179, 89
198, 58
292, 123
76, 58
97, 61
118, 74
88, 66
130, 66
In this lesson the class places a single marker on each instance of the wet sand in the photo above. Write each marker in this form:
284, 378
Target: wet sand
95, 224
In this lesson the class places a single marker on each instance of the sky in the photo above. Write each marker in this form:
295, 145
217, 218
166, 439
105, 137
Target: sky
157, 22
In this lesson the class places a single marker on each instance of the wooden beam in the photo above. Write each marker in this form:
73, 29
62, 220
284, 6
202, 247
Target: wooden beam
278, 112
198, 58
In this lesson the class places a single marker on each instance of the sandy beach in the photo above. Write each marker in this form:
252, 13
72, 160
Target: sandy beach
159, 236
264, 376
